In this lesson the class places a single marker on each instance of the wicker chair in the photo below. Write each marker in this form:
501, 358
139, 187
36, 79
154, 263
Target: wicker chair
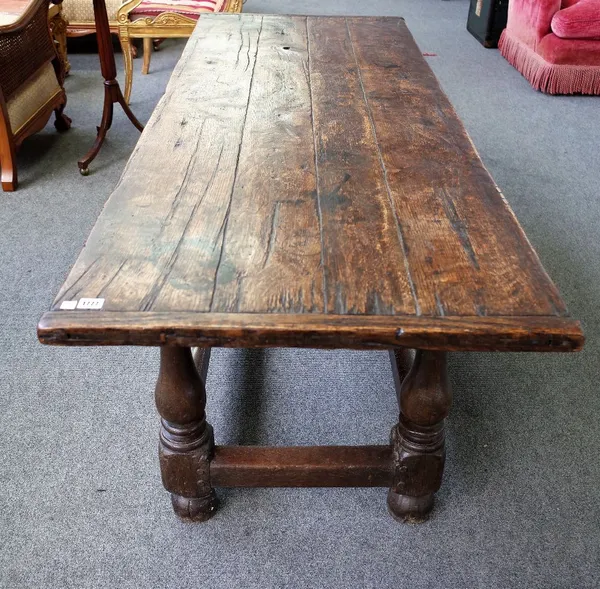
31, 77
160, 19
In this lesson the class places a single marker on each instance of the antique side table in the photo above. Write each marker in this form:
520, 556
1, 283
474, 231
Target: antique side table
112, 90
305, 182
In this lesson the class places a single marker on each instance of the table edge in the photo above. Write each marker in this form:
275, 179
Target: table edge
247, 330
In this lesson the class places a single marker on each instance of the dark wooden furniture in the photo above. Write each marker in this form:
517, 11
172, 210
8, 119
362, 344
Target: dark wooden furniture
31, 78
310, 186
486, 20
112, 90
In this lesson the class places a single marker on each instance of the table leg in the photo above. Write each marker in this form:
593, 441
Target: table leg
112, 90
402, 360
186, 444
418, 438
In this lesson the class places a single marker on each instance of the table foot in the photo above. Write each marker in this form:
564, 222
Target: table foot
418, 438
409, 510
195, 509
186, 444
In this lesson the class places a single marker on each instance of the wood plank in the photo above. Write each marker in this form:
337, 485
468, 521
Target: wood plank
158, 241
310, 466
362, 246
465, 248
271, 259
92, 328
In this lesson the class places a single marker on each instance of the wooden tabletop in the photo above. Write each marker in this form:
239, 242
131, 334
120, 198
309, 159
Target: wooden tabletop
305, 182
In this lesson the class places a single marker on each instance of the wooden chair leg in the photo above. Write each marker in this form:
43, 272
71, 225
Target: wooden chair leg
126, 47
8, 155
8, 170
418, 439
147, 55
186, 444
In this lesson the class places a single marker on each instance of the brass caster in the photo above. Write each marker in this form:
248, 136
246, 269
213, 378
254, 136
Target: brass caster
84, 171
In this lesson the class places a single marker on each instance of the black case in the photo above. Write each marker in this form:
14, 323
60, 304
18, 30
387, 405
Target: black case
487, 20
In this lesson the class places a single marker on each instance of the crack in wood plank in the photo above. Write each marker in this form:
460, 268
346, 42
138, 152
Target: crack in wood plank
248, 50
184, 181
237, 59
458, 225
272, 233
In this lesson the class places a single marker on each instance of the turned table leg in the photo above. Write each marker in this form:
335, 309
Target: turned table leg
186, 444
418, 438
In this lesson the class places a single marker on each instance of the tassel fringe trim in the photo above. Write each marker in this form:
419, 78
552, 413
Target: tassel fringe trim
548, 77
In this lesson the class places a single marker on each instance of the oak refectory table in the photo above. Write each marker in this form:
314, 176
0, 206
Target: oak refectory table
305, 182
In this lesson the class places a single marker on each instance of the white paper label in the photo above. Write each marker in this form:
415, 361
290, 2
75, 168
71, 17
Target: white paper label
68, 305
90, 304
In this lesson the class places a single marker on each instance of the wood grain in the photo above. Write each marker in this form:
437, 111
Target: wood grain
164, 243
271, 258
540, 334
362, 248
299, 172
302, 466
467, 253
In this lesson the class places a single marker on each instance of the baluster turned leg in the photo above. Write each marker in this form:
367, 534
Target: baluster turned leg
418, 438
186, 441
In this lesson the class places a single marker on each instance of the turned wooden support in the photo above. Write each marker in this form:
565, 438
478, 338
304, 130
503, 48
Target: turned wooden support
418, 438
186, 441
402, 360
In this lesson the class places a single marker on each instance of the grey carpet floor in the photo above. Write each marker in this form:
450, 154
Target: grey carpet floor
81, 502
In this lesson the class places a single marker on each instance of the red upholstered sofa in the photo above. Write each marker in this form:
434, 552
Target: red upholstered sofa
555, 44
